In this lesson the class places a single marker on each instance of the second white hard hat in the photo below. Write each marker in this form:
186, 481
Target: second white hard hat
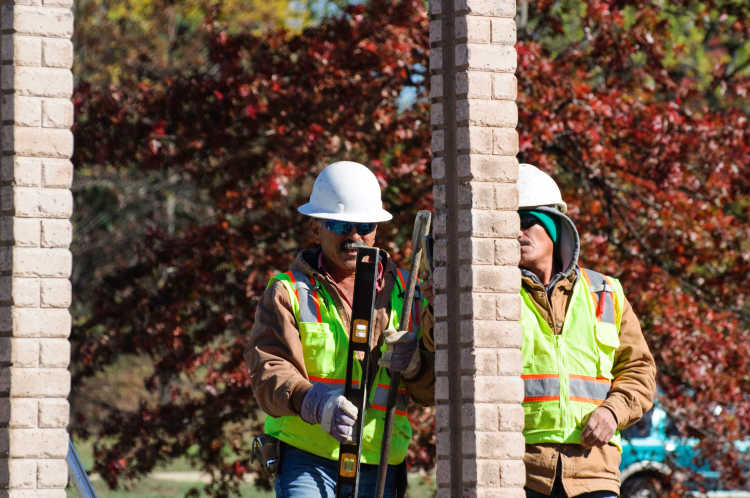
536, 188
346, 191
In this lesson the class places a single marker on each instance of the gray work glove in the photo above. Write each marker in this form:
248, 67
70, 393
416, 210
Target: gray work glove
401, 353
329, 408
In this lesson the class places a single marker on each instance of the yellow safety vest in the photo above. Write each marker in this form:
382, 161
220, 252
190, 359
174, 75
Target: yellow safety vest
567, 376
325, 344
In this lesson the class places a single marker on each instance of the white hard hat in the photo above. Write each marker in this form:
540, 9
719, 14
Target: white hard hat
536, 188
346, 191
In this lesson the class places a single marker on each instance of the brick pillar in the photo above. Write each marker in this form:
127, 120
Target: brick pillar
35, 233
474, 143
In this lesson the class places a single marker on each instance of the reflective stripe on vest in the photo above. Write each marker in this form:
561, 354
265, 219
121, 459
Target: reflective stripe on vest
307, 295
586, 389
603, 295
380, 399
541, 387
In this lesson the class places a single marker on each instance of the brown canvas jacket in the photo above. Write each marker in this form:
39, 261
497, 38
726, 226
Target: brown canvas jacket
631, 395
274, 352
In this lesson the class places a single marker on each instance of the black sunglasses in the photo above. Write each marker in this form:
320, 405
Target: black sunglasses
345, 227
528, 220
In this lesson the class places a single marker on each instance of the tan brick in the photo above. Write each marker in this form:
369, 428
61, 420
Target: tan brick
23, 111
23, 171
438, 170
504, 141
509, 361
442, 418
511, 417
57, 53
42, 443
501, 492
500, 445
436, 30
498, 8
502, 389
23, 412
482, 195
482, 251
55, 353
52, 474
22, 50
504, 31
487, 167
36, 493
479, 361
508, 307
506, 196
491, 223
474, 84
49, 22
54, 413
22, 473
496, 334
436, 115
474, 139
444, 469
25, 291
436, 86
504, 86
486, 57
56, 233
39, 81
58, 3
486, 417
56, 203
507, 252
438, 141
41, 322
57, 113
442, 386
40, 382
25, 352
26, 232
491, 278
481, 112
55, 293
57, 173
475, 29
513, 473
32, 262
476, 305
439, 224
26, 202
50, 142
436, 59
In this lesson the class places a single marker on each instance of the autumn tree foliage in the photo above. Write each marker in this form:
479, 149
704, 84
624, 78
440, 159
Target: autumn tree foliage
638, 108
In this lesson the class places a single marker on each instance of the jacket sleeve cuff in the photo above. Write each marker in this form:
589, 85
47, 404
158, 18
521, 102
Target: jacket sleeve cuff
618, 409
298, 394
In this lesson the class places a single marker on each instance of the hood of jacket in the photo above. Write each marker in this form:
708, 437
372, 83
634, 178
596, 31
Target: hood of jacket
567, 248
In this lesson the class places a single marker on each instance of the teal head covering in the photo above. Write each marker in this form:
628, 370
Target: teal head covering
546, 220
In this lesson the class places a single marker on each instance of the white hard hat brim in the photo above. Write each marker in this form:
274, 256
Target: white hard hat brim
369, 216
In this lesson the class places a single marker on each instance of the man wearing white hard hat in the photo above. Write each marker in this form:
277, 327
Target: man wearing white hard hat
298, 345
587, 370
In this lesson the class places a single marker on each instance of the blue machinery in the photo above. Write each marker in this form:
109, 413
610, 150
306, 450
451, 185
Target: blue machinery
78, 473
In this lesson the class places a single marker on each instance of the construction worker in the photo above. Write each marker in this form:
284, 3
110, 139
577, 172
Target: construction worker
587, 370
297, 351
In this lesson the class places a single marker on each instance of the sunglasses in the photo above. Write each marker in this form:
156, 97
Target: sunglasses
345, 227
528, 220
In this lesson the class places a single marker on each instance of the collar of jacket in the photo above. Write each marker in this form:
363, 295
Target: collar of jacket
307, 262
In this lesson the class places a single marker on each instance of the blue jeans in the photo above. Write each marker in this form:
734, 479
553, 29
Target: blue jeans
304, 475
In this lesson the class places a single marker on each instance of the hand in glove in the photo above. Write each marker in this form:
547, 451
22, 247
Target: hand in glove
329, 408
401, 354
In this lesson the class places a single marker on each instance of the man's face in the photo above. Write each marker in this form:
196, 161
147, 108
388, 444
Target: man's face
536, 245
344, 260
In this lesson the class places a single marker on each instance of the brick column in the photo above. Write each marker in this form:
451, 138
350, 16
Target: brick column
35, 233
474, 143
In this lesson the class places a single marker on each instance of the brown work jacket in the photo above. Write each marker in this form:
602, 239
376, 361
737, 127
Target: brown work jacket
631, 395
274, 352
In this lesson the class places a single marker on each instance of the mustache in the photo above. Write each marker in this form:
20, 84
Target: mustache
348, 245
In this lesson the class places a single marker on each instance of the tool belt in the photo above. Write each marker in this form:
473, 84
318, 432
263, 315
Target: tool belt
267, 451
